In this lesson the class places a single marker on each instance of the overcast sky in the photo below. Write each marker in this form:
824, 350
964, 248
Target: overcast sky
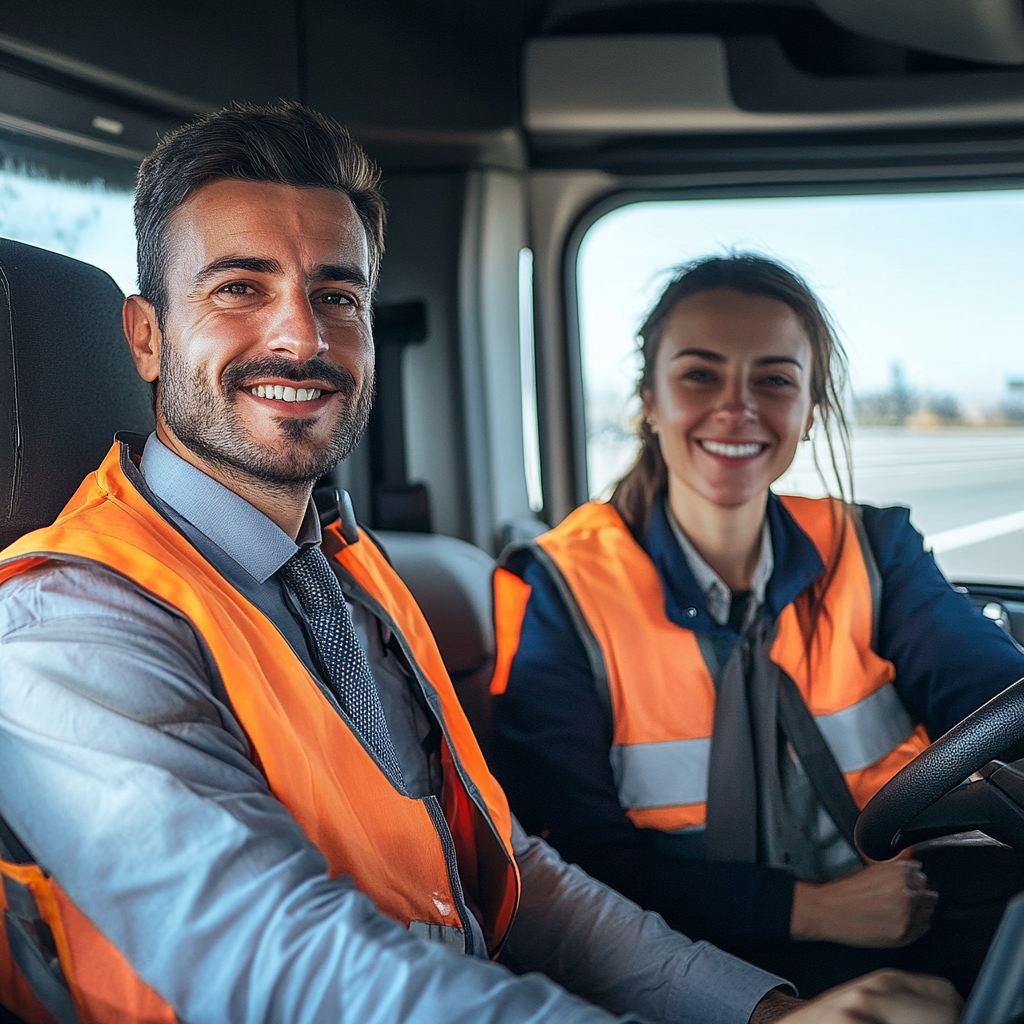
934, 281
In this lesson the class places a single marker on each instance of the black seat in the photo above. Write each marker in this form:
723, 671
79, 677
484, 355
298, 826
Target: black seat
451, 581
67, 382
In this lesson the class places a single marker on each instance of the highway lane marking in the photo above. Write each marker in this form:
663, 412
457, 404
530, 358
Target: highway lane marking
974, 533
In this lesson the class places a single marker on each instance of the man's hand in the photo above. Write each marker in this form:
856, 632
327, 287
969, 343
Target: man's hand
885, 997
884, 905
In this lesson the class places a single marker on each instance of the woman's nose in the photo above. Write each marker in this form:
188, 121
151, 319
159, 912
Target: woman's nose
737, 397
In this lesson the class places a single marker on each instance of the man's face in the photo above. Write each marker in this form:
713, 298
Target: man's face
266, 357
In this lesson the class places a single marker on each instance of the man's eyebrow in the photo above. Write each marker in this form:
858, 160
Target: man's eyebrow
250, 264
259, 265
340, 272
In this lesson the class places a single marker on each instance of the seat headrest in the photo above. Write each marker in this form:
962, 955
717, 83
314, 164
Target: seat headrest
451, 582
67, 382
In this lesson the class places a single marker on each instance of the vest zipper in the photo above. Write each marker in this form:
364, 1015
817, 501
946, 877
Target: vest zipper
353, 589
433, 807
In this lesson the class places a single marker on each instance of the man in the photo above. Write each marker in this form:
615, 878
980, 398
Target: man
237, 784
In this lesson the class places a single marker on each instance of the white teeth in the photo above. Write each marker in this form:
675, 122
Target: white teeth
732, 451
286, 394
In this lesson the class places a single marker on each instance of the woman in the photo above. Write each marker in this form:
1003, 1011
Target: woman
700, 682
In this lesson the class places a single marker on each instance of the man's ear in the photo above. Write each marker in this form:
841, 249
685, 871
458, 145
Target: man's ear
142, 329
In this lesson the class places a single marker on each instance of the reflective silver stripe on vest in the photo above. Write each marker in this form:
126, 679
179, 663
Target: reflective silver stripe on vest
661, 774
675, 773
866, 731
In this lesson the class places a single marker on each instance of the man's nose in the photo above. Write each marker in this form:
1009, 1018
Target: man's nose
293, 329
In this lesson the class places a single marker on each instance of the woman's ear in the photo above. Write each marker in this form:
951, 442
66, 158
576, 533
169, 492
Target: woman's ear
650, 417
142, 329
810, 423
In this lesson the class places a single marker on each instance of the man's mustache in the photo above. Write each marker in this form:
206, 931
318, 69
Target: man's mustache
240, 376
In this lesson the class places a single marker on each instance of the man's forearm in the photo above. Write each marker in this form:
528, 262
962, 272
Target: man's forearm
602, 946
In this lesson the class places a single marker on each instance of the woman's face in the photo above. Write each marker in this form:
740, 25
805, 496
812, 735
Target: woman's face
731, 397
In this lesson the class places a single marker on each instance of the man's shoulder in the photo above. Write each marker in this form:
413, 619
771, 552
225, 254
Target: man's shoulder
64, 590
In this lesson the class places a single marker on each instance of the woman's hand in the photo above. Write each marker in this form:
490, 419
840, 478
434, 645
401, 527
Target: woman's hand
885, 997
884, 905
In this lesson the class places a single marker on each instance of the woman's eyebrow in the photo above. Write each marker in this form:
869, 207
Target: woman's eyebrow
703, 353
766, 360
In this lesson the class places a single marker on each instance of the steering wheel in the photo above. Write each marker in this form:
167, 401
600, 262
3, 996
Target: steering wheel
930, 798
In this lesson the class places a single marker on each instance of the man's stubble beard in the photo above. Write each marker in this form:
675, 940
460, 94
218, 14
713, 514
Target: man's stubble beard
206, 421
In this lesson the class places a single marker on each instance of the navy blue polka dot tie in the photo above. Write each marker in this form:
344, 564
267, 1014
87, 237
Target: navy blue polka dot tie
310, 578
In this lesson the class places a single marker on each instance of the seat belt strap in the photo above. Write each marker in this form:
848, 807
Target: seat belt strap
817, 758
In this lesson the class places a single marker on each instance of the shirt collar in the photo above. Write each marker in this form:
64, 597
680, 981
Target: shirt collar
239, 529
796, 561
716, 592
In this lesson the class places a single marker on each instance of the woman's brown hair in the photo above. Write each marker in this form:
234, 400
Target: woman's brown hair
636, 492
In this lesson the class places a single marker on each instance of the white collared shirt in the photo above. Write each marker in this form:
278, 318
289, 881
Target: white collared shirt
716, 593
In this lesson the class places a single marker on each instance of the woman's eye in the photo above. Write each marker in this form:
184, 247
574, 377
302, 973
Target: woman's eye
777, 381
699, 376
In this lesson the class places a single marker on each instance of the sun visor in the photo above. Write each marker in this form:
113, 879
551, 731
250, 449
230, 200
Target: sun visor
703, 83
991, 31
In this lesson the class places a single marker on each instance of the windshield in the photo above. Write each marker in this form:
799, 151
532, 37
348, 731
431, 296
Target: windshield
927, 293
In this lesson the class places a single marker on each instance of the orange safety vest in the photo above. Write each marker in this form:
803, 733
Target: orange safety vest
661, 691
392, 846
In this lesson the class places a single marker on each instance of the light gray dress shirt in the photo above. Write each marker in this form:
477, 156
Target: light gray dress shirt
125, 773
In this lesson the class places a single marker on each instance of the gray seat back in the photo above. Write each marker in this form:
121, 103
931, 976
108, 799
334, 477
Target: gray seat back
451, 582
67, 382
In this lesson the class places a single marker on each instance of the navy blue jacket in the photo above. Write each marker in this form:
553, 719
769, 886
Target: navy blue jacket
552, 737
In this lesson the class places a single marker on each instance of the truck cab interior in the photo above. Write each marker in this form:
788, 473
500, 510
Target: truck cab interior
525, 147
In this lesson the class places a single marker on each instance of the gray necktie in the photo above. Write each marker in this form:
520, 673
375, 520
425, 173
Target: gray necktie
309, 576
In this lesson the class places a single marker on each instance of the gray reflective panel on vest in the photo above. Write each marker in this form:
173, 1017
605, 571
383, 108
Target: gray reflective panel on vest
661, 774
675, 772
868, 730
446, 935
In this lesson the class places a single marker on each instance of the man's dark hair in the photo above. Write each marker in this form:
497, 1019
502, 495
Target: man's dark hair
283, 144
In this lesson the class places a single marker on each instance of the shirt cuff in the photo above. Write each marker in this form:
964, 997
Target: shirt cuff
722, 989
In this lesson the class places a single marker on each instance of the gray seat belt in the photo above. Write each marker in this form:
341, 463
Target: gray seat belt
816, 756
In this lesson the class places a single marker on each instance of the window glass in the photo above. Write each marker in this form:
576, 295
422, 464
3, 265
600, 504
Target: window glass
927, 292
86, 216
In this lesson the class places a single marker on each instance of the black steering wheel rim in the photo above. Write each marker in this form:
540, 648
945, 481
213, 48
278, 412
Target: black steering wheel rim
952, 758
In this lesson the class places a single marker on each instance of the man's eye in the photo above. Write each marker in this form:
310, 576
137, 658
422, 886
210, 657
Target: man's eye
335, 299
236, 288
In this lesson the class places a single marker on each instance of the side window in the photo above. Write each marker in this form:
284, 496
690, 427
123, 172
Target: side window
927, 292
69, 206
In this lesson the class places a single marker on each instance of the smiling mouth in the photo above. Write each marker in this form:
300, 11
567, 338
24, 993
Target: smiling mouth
282, 393
733, 451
